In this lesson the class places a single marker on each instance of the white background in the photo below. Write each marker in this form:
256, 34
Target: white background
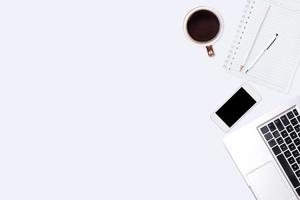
108, 100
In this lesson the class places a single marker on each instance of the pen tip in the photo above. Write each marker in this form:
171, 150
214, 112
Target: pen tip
241, 68
276, 34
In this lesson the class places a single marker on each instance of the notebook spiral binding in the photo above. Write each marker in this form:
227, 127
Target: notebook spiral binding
239, 34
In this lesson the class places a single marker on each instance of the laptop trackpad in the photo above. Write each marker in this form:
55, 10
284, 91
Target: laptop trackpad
267, 184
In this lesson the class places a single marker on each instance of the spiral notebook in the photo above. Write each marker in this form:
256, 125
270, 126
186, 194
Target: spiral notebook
260, 22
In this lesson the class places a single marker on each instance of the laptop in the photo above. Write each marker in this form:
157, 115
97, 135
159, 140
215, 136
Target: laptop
267, 153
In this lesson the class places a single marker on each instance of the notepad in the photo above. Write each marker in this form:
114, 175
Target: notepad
260, 22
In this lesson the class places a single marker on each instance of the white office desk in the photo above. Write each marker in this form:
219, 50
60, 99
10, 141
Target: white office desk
108, 100
221, 179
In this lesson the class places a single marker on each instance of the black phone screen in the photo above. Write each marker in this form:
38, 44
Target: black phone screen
236, 107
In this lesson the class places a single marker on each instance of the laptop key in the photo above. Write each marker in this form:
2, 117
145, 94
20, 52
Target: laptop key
298, 173
291, 160
296, 112
295, 166
295, 153
272, 143
276, 134
290, 115
285, 120
283, 147
284, 133
280, 141
289, 128
294, 135
276, 150
289, 172
298, 160
298, 118
297, 128
264, 129
288, 140
287, 154
278, 124
294, 122
292, 147
272, 126
297, 141
298, 191
268, 136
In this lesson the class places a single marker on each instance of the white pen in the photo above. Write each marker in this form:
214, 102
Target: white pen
262, 53
254, 41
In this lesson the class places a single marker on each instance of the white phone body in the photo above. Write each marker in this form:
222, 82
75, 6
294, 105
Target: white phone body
251, 92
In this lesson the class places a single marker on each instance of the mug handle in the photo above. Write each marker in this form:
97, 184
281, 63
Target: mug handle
210, 51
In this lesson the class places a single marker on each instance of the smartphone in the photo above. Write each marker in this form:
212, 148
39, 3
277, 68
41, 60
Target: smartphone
235, 107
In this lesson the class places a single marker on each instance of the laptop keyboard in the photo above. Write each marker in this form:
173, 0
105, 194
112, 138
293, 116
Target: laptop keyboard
282, 135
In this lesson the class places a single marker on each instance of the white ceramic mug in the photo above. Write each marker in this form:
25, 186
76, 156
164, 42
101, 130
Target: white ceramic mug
198, 14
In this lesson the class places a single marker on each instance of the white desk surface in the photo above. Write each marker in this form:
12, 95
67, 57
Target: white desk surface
108, 100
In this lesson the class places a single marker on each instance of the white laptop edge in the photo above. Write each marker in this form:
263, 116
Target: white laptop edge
255, 161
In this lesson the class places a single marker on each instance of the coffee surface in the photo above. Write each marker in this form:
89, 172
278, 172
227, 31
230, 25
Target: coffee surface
203, 25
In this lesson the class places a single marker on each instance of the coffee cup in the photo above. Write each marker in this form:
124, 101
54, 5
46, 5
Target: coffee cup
204, 26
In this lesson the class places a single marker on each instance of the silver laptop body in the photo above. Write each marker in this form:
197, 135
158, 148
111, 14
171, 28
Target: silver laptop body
267, 153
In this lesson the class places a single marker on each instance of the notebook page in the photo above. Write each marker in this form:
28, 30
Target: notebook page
278, 65
248, 29
289, 4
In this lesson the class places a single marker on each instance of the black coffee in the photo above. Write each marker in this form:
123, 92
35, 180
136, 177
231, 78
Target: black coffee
203, 25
